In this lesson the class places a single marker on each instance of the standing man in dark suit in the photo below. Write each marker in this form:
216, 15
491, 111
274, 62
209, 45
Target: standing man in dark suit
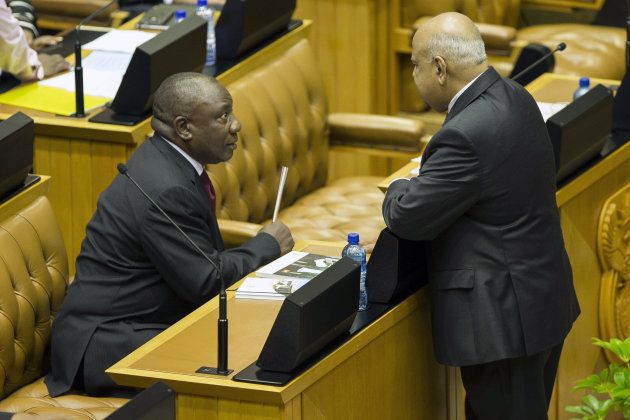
484, 202
136, 274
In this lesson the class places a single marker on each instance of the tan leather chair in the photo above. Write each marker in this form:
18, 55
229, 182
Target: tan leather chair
589, 48
33, 282
283, 112
594, 51
65, 14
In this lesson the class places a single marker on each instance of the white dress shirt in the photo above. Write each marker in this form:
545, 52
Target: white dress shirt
16, 57
198, 166
458, 94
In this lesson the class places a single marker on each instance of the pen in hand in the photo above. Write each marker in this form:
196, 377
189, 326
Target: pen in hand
283, 177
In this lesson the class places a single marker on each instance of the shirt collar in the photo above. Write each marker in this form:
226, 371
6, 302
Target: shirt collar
458, 94
198, 166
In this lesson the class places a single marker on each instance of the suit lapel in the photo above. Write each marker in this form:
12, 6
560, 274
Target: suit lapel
174, 157
480, 85
487, 78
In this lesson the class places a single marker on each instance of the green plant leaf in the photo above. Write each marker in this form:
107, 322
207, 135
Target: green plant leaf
592, 402
603, 409
581, 409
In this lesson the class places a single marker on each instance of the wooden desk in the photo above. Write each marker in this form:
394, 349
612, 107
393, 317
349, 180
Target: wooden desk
386, 371
593, 208
81, 156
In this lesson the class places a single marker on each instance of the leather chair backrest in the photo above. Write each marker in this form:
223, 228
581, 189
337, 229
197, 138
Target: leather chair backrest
500, 12
77, 8
33, 282
282, 109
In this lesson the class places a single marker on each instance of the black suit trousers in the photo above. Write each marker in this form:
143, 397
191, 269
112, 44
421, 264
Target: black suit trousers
511, 389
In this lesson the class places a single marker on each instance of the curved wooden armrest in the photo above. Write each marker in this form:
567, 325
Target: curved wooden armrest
376, 131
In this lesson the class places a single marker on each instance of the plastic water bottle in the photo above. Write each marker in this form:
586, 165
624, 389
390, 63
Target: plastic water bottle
585, 83
180, 15
211, 44
357, 253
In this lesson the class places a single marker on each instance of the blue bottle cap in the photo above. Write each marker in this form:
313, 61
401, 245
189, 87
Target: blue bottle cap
180, 15
353, 238
202, 3
585, 82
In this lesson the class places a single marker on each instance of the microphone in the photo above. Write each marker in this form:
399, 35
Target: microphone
560, 47
222, 323
78, 68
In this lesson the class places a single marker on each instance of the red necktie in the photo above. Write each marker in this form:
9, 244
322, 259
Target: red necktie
207, 186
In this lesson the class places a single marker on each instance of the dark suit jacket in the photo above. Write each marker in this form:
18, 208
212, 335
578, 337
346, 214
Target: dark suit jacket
484, 201
136, 274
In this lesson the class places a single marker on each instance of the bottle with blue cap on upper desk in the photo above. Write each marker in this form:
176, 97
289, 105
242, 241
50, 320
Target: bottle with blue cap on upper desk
585, 85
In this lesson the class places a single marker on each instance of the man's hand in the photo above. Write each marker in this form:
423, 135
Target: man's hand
42, 42
282, 234
53, 64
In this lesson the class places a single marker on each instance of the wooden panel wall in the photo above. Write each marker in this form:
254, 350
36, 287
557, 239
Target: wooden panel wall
579, 218
80, 171
351, 46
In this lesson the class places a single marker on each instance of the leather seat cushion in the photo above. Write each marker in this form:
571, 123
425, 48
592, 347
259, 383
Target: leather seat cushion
34, 399
593, 51
331, 212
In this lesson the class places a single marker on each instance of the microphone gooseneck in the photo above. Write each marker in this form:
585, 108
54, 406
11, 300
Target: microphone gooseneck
222, 342
560, 47
78, 68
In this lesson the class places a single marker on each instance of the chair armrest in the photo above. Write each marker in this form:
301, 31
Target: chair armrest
235, 233
78, 8
496, 37
376, 131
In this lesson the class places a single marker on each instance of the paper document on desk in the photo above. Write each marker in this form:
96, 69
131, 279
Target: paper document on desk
102, 75
268, 288
297, 265
95, 83
48, 99
119, 41
547, 109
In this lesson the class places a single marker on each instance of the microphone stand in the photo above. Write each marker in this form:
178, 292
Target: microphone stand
560, 47
78, 68
222, 322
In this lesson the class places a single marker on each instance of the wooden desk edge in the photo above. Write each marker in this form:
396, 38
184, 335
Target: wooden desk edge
123, 373
22, 198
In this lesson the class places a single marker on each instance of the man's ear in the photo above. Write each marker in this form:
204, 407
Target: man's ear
440, 69
180, 124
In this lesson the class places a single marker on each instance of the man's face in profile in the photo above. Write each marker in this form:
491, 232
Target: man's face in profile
214, 127
426, 75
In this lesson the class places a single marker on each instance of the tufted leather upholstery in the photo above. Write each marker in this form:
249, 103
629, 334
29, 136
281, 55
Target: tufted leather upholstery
595, 51
33, 282
283, 112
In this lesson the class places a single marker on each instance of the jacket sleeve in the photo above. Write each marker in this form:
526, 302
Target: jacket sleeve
190, 275
447, 186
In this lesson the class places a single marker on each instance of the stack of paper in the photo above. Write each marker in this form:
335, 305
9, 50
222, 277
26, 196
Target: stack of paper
547, 109
119, 41
268, 288
102, 74
295, 264
105, 67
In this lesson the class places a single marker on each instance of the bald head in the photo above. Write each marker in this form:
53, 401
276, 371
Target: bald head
181, 93
452, 36
448, 53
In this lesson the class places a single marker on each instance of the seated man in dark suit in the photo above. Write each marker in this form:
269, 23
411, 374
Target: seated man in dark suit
136, 274
501, 283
